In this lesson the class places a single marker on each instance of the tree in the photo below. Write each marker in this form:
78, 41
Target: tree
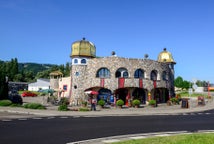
178, 82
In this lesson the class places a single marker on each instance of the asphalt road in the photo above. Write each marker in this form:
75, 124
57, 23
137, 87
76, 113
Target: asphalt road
61, 130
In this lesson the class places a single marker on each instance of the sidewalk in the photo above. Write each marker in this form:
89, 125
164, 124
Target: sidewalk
162, 109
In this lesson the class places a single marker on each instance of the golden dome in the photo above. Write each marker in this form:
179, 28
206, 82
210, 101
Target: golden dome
83, 48
165, 56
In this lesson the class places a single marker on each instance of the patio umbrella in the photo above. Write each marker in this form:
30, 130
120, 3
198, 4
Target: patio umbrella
91, 92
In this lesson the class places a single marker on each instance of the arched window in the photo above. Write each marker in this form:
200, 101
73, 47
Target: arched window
103, 73
164, 76
153, 75
76, 61
122, 72
83, 61
139, 73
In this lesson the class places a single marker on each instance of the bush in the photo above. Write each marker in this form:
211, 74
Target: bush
152, 102
120, 102
63, 107
101, 102
174, 100
34, 106
64, 101
5, 102
136, 102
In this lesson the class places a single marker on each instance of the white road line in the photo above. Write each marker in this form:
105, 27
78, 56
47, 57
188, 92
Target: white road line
138, 137
6, 120
162, 135
50, 117
22, 119
64, 117
110, 141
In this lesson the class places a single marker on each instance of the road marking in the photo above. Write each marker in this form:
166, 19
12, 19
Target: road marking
138, 137
207, 113
6, 120
162, 135
22, 119
50, 117
63, 117
111, 141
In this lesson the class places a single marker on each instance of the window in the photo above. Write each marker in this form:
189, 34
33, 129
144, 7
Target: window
122, 72
75, 61
103, 73
65, 87
139, 73
83, 61
164, 76
153, 75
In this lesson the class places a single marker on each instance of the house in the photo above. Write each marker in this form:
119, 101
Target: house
39, 84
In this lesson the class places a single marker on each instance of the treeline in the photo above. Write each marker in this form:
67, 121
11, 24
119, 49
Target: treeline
29, 72
183, 84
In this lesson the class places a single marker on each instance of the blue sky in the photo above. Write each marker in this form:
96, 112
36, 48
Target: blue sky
42, 31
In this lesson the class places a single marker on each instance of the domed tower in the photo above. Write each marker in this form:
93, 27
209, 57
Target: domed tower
166, 57
81, 52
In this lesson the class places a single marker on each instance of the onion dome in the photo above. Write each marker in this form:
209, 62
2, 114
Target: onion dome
83, 48
165, 56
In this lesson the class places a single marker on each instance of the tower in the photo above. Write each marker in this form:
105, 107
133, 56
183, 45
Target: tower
81, 52
166, 57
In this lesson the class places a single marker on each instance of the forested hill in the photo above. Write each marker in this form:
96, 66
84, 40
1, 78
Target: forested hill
29, 72
35, 67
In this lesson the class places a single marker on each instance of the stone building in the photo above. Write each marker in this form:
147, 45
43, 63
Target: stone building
124, 78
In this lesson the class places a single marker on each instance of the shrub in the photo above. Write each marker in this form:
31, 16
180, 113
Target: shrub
152, 102
120, 102
34, 106
136, 102
63, 107
64, 101
174, 100
5, 102
101, 102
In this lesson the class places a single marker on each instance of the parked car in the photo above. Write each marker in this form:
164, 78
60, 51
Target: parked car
28, 94
15, 97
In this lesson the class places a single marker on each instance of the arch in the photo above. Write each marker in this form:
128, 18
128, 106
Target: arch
153, 75
140, 94
75, 61
106, 95
139, 73
122, 72
83, 61
103, 73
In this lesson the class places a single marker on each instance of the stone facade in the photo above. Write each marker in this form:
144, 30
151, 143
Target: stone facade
118, 77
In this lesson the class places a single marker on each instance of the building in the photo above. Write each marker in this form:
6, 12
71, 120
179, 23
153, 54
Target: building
124, 78
39, 85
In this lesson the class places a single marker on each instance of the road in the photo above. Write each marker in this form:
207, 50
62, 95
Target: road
65, 129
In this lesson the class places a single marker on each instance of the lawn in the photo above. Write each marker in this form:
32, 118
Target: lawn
176, 139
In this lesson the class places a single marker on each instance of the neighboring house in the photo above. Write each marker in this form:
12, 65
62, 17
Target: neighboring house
39, 84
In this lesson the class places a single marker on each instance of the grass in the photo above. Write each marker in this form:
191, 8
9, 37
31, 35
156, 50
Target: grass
186, 94
178, 139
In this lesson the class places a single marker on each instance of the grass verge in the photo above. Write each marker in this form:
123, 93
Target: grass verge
178, 139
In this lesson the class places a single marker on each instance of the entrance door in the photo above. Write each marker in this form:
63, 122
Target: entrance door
140, 94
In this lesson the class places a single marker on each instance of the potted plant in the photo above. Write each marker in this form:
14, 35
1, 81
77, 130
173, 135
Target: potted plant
120, 103
101, 103
136, 103
153, 103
